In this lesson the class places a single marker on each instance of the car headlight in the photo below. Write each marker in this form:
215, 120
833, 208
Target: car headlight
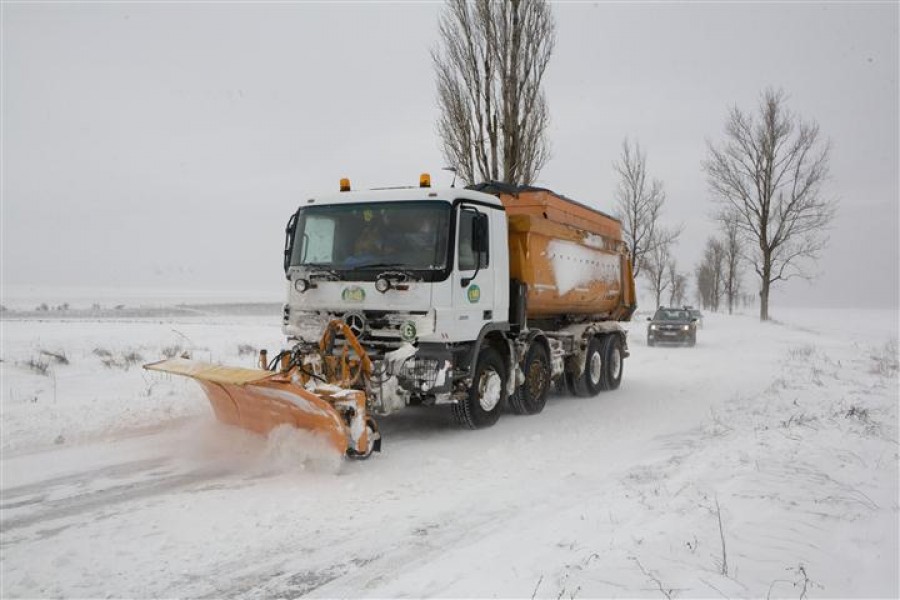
686, 328
653, 328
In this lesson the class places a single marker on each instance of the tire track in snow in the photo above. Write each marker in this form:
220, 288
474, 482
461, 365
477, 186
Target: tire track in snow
39, 495
417, 546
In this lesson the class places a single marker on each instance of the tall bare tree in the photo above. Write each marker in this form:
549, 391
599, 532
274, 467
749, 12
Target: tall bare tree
657, 259
677, 284
710, 274
731, 247
489, 70
769, 171
638, 203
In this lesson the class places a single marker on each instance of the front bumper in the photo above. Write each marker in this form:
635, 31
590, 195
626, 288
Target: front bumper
678, 336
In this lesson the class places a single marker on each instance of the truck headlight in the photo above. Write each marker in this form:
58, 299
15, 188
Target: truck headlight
301, 285
382, 284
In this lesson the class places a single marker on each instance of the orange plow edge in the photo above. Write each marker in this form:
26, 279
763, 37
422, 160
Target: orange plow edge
259, 401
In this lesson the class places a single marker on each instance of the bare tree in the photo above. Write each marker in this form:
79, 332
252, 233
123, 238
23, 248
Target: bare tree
638, 203
489, 70
709, 274
677, 284
731, 246
769, 171
657, 259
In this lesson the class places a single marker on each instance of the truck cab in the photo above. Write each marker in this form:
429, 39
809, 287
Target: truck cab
402, 265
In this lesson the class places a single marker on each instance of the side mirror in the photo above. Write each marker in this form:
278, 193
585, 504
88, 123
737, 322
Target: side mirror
649, 319
289, 231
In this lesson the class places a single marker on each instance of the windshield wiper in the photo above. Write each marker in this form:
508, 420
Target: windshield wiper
320, 268
401, 266
382, 265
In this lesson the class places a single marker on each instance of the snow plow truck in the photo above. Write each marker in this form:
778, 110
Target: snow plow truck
482, 298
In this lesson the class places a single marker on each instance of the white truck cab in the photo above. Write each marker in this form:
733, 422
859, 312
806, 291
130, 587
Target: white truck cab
410, 265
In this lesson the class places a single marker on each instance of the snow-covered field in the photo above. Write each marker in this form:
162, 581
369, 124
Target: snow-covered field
761, 463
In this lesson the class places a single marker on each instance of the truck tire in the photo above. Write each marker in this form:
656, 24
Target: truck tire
613, 361
481, 406
588, 383
531, 397
595, 365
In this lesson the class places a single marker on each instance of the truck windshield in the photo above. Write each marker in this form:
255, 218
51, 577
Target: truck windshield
382, 235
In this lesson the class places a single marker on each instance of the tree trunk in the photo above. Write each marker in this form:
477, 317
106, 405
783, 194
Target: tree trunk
764, 300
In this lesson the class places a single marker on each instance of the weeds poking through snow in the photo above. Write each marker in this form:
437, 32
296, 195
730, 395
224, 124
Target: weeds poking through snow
724, 565
39, 366
172, 351
125, 361
801, 420
59, 357
885, 360
562, 592
132, 358
649, 574
801, 581
246, 350
537, 585
802, 352
855, 412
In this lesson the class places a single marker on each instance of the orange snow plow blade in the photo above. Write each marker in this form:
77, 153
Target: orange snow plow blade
260, 401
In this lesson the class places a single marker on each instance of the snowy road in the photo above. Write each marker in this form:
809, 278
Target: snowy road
789, 429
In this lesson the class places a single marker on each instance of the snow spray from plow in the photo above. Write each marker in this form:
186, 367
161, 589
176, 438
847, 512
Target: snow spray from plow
310, 388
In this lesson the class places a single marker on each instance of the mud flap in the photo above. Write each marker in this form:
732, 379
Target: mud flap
259, 401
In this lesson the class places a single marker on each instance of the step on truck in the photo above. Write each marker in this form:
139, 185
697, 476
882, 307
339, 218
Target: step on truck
481, 298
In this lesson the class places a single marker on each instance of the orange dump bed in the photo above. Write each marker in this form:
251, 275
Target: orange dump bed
571, 257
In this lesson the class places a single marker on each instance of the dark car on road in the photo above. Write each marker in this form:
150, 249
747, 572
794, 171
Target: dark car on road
672, 325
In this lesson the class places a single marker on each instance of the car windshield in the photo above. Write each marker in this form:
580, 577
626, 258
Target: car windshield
671, 315
695, 313
382, 235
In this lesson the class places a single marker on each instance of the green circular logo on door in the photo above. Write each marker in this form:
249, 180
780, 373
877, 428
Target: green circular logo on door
474, 293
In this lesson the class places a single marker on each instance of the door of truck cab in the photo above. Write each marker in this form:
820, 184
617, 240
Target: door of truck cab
473, 275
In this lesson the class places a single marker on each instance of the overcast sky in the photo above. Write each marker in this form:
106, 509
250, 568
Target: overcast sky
165, 145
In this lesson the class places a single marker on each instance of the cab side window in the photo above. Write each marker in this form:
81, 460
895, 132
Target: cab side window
469, 258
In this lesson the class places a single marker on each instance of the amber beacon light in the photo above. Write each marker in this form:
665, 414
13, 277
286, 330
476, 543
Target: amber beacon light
345, 184
424, 180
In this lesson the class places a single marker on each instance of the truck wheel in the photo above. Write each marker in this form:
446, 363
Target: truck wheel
587, 384
595, 365
613, 361
481, 406
531, 397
